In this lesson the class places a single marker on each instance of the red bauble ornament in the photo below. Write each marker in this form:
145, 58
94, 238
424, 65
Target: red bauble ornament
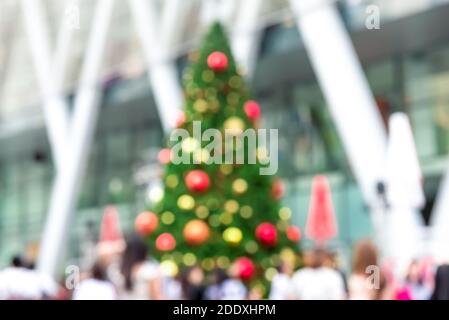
197, 181
267, 234
293, 233
217, 61
277, 189
252, 110
180, 119
245, 268
196, 232
165, 242
145, 223
164, 156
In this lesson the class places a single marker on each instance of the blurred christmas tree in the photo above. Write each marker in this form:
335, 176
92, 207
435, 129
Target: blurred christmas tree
216, 214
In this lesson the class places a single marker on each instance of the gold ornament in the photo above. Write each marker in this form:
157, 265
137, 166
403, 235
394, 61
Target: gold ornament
232, 235
234, 125
213, 204
214, 105
200, 106
177, 257
231, 206
214, 220
246, 212
235, 82
242, 71
233, 98
202, 212
172, 181
223, 262
259, 289
208, 264
239, 186
186, 202
199, 94
226, 218
270, 273
262, 154
285, 213
169, 268
193, 56
208, 76
288, 255
189, 259
211, 93
190, 144
282, 225
222, 87
226, 169
167, 217
265, 262
187, 76
201, 155
166, 256
190, 89
275, 259
251, 247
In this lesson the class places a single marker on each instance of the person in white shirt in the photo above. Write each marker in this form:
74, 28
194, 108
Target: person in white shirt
233, 288
317, 282
20, 282
281, 285
97, 287
171, 288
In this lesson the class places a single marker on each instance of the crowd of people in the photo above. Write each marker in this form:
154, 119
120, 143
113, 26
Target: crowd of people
133, 274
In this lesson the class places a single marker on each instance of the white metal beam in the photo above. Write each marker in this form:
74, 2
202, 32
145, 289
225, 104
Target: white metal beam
61, 54
440, 222
161, 69
7, 38
246, 35
49, 78
174, 17
346, 90
66, 188
208, 11
403, 223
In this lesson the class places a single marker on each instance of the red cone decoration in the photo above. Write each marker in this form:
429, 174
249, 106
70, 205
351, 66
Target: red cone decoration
146, 222
266, 233
245, 267
110, 226
165, 242
321, 223
217, 61
196, 232
164, 156
197, 181
111, 237
277, 189
293, 233
252, 110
